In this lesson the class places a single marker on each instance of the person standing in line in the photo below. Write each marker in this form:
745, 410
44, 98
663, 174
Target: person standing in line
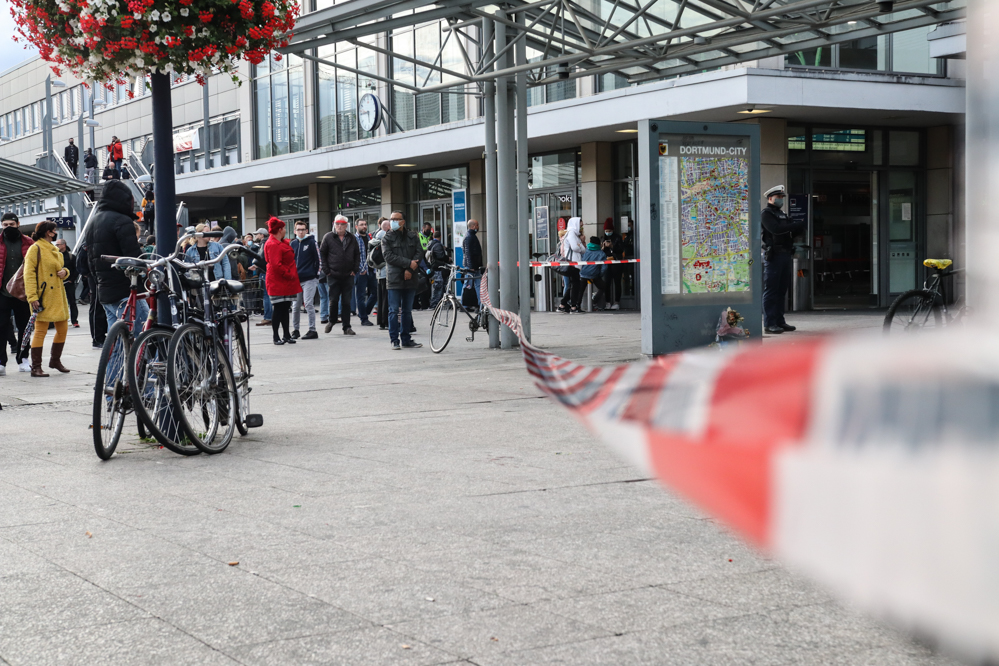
72, 156
90, 166
472, 259
307, 262
69, 263
573, 250
341, 261
381, 274
115, 155
592, 274
613, 248
43, 285
148, 206
366, 284
402, 252
282, 281
13, 246
441, 272
260, 270
422, 300
204, 249
778, 247
95, 313
112, 231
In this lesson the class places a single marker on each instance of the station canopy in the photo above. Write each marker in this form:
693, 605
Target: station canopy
23, 183
639, 40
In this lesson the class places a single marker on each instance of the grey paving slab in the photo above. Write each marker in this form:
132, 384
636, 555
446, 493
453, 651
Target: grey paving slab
435, 494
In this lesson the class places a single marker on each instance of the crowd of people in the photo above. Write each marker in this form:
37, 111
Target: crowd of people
606, 279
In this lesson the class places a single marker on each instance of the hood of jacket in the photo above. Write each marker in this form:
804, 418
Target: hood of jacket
574, 225
228, 236
117, 197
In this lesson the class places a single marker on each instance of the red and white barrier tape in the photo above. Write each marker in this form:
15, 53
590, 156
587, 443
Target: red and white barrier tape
536, 264
867, 462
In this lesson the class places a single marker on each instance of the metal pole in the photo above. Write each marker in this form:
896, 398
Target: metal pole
492, 220
523, 210
93, 147
47, 121
208, 135
166, 230
506, 184
982, 169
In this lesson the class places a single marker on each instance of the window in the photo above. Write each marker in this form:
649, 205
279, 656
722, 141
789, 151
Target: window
430, 44
903, 52
437, 184
553, 170
339, 91
279, 106
292, 203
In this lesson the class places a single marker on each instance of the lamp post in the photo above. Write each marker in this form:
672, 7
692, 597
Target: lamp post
163, 186
47, 146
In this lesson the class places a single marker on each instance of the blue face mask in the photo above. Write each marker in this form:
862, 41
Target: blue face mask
394, 224
779, 202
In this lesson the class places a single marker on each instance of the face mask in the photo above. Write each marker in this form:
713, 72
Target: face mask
779, 202
473, 231
394, 224
11, 233
608, 233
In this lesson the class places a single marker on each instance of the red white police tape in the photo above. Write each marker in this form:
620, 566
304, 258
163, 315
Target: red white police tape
535, 264
868, 463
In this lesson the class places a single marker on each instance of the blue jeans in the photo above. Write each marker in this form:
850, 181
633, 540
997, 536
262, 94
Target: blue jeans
474, 283
365, 293
115, 311
400, 299
324, 300
268, 310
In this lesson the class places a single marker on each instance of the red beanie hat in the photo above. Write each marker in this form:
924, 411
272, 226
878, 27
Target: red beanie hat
608, 224
274, 225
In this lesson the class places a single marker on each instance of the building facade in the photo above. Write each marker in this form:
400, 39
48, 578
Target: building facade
869, 133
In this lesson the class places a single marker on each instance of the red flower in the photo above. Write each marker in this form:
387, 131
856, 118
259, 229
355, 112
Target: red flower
206, 17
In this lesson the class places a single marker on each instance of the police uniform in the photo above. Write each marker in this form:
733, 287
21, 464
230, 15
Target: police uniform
778, 247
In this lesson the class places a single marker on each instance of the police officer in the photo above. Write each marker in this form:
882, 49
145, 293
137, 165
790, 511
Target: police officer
778, 248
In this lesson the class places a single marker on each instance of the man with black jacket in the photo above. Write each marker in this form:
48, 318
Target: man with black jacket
72, 156
340, 260
69, 261
402, 252
98, 320
439, 264
111, 231
472, 258
365, 282
778, 247
307, 261
90, 164
13, 246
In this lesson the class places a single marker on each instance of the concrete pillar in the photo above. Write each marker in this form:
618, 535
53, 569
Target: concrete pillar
597, 186
982, 167
773, 153
506, 180
940, 192
321, 208
492, 224
394, 196
523, 209
255, 211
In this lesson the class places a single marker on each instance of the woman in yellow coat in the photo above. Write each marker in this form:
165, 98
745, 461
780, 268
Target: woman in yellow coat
43, 276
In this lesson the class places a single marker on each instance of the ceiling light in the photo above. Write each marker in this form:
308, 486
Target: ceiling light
405, 165
627, 131
325, 176
261, 187
851, 23
753, 111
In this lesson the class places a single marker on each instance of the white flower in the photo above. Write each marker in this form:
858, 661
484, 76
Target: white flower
155, 15
184, 11
152, 28
166, 17
137, 16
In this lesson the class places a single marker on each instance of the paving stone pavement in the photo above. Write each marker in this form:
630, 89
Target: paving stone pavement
396, 508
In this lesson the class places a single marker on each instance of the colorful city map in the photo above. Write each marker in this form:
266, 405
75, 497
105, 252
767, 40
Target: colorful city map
714, 224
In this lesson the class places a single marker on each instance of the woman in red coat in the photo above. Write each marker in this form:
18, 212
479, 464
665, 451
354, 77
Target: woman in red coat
282, 277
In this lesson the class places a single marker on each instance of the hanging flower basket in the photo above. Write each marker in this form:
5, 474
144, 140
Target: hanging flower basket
108, 40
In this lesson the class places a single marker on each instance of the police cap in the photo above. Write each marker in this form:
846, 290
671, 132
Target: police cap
777, 189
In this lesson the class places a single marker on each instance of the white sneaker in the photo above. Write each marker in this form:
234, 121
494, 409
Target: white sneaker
24, 366
3, 371
614, 307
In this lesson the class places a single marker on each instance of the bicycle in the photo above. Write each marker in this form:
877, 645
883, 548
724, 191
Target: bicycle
445, 317
926, 308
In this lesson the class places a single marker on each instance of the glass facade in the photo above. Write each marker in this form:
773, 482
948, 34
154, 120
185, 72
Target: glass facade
430, 44
906, 52
554, 170
339, 90
279, 106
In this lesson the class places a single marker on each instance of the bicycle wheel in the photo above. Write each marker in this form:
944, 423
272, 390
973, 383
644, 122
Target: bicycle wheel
240, 374
111, 391
915, 310
202, 389
147, 384
442, 323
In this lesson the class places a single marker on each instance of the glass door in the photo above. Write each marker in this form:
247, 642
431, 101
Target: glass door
844, 240
440, 216
902, 250
561, 206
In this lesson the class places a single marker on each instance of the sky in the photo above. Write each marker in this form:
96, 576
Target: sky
11, 52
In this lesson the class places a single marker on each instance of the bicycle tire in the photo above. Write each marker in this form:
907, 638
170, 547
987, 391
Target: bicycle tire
150, 391
207, 421
443, 323
911, 311
241, 375
110, 390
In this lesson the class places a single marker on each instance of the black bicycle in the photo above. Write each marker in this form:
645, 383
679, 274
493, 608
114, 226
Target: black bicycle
445, 317
926, 308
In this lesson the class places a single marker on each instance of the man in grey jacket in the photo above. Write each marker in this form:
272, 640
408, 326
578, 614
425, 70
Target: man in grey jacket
402, 251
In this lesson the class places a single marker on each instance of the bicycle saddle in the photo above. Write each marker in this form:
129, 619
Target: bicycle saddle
122, 263
232, 286
939, 264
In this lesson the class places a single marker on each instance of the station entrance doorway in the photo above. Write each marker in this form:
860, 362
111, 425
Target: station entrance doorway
561, 205
844, 239
439, 215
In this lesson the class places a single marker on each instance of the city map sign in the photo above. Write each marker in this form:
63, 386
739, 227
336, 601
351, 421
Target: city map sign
699, 221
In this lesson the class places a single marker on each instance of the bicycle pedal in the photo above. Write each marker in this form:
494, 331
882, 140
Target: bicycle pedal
254, 420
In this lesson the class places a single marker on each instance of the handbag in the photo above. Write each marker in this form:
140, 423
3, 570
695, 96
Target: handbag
15, 285
560, 256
